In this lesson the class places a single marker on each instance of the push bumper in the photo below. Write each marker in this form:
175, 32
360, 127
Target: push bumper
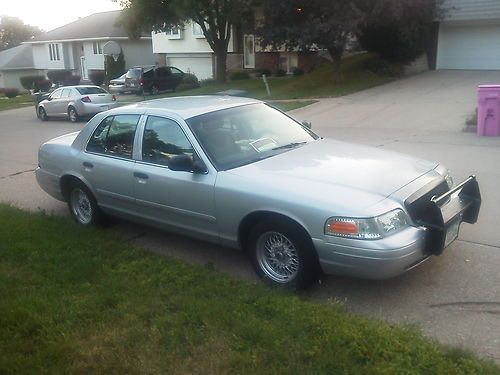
396, 254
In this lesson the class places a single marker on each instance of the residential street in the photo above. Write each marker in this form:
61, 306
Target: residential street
454, 298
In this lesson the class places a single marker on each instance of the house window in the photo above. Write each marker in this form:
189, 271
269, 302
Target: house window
173, 32
197, 30
54, 52
97, 48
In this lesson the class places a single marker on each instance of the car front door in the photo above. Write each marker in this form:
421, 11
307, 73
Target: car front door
51, 104
61, 104
108, 165
176, 198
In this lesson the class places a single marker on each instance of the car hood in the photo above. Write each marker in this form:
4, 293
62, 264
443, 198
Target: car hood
338, 164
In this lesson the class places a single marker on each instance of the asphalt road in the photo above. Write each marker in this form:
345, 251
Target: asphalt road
454, 298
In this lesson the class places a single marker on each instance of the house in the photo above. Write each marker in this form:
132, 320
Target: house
185, 47
469, 35
77, 46
14, 63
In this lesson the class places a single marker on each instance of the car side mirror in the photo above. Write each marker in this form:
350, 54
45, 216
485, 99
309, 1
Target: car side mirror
49, 98
185, 163
307, 124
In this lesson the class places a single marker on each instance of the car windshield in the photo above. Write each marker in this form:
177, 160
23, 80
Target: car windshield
90, 90
242, 135
134, 73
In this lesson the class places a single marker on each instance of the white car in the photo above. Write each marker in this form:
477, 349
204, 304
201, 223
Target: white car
75, 102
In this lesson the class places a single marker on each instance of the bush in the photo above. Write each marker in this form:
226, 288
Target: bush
71, 80
189, 81
298, 72
11, 92
207, 82
97, 77
237, 76
58, 76
42, 85
261, 72
280, 73
29, 82
382, 68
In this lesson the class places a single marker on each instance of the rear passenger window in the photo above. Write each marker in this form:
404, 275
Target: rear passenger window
115, 136
163, 138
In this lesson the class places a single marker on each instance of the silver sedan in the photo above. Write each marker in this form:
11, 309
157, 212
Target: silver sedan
240, 173
75, 102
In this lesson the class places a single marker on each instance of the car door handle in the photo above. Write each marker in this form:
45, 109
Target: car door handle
142, 176
86, 164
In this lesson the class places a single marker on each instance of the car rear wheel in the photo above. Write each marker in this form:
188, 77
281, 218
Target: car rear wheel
73, 114
83, 206
42, 115
282, 255
154, 90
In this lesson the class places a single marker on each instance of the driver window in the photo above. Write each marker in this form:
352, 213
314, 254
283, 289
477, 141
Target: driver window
56, 94
163, 138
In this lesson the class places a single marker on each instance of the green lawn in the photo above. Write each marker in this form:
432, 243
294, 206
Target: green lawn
22, 100
76, 301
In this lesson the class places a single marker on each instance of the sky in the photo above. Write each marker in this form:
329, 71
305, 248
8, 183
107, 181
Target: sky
50, 14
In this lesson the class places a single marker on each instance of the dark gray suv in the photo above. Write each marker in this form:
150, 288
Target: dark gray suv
152, 79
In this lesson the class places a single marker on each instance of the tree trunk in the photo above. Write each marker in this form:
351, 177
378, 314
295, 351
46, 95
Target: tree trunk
220, 64
337, 59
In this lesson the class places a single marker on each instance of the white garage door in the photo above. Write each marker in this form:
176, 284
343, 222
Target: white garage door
200, 66
469, 47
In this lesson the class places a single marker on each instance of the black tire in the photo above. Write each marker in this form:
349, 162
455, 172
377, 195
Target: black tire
73, 114
154, 90
42, 115
294, 254
83, 205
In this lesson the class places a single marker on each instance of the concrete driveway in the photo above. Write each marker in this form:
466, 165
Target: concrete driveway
454, 298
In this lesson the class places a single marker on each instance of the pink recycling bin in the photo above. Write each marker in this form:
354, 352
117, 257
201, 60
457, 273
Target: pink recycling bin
488, 110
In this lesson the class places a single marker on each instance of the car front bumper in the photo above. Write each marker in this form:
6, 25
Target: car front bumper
379, 259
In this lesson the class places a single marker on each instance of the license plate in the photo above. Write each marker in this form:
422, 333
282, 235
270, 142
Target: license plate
104, 107
452, 233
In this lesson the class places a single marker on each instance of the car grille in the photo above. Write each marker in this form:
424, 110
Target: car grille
417, 205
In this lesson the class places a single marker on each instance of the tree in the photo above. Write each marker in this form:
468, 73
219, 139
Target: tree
13, 32
216, 19
305, 24
399, 30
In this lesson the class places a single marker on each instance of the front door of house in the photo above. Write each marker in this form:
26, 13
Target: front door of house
83, 68
249, 51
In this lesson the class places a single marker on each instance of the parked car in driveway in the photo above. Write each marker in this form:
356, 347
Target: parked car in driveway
75, 102
117, 85
152, 79
240, 173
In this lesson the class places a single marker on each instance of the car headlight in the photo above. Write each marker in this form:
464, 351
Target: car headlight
371, 228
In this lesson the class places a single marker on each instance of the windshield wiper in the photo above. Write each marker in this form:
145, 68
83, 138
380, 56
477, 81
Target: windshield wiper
290, 145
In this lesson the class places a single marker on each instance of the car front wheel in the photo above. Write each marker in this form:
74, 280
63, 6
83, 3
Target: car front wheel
83, 206
42, 115
282, 255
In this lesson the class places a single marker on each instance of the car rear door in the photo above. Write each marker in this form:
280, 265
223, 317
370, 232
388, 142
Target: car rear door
176, 198
108, 164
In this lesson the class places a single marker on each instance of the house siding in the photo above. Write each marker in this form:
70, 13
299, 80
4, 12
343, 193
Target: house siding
469, 10
41, 58
10, 78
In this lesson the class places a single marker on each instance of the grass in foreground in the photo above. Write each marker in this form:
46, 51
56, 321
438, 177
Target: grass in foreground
23, 100
76, 301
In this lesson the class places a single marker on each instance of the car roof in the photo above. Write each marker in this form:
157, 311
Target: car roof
191, 106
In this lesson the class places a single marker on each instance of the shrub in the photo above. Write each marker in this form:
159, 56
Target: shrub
382, 68
97, 77
298, 72
236, 76
261, 72
11, 92
71, 80
189, 81
42, 85
280, 73
207, 81
58, 76
29, 82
